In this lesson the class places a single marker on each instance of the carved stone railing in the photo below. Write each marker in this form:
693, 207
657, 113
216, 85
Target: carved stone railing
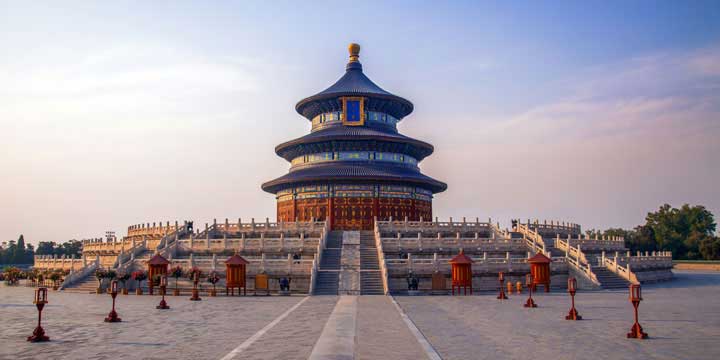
627, 266
432, 226
280, 245
125, 260
552, 226
80, 274
52, 262
577, 260
499, 233
381, 259
452, 244
267, 226
317, 257
571, 251
597, 243
533, 240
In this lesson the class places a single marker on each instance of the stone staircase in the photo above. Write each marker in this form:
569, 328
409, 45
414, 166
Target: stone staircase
370, 276
329, 273
609, 280
88, 285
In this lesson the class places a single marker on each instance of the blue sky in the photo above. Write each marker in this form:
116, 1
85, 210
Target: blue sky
592, 112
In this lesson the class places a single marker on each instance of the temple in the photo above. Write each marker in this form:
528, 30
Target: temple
354, 216
354, 166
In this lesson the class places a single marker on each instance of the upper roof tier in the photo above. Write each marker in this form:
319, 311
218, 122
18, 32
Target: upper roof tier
354, 83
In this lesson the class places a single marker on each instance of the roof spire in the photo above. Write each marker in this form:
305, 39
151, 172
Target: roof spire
354, 50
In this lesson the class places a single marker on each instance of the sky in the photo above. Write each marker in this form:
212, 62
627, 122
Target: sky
593, 112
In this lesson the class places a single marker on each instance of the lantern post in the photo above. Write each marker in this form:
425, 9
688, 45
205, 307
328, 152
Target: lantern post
636, 331
195, 292
530, 303
163, 288
39, 301
113, 316
501, 279
572, 288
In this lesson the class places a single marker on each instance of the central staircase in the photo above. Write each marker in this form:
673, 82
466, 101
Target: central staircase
329, 272
370, 276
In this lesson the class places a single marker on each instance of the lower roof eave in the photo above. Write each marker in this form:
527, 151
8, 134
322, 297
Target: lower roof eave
279, 184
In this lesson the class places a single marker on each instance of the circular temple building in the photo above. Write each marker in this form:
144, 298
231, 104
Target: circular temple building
354, 166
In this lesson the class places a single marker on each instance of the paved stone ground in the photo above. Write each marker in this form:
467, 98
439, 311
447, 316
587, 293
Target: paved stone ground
682, 318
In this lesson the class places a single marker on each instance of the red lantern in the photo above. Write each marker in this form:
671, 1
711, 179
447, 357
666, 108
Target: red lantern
530, 303
636, 331
40, 300
572, 288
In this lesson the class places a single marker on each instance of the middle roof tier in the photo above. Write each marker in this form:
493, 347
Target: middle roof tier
353, 138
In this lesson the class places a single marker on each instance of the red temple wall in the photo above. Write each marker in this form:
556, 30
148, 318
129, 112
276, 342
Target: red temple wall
353, 213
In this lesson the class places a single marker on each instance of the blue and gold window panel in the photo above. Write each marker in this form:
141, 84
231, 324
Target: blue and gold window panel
353, 111
354, 155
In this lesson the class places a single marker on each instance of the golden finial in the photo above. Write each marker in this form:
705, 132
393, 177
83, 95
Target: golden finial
354, 50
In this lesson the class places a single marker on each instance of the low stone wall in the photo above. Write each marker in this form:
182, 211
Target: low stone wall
656, 275
699, 266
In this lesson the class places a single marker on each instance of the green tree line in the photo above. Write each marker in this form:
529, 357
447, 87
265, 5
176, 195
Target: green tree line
689, 232
17, 252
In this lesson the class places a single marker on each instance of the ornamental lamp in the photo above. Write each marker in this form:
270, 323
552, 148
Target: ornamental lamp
501, 276
114, 286
635, 293
529, 280
40, 296
572, 284
163, 281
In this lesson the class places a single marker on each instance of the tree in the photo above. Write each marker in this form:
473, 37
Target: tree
710, 248
19, 253
682, 230
45, 248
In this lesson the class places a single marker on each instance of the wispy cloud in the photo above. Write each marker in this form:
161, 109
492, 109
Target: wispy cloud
625, 138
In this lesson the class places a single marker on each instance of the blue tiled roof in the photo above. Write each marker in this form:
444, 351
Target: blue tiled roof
355, 172
354, 83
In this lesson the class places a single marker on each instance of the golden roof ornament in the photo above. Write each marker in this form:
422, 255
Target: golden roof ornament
354, 50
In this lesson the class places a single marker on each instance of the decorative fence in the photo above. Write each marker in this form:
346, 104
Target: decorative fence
52, 262
433, 226
452, 244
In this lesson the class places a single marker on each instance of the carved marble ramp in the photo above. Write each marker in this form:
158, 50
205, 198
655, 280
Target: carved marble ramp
369, 327
337, 340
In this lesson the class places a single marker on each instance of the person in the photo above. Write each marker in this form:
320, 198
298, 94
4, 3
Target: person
285, 284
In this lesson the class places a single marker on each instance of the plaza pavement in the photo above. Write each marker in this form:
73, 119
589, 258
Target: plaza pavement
682, 318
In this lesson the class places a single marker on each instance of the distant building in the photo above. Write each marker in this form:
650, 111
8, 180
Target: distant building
354, 166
